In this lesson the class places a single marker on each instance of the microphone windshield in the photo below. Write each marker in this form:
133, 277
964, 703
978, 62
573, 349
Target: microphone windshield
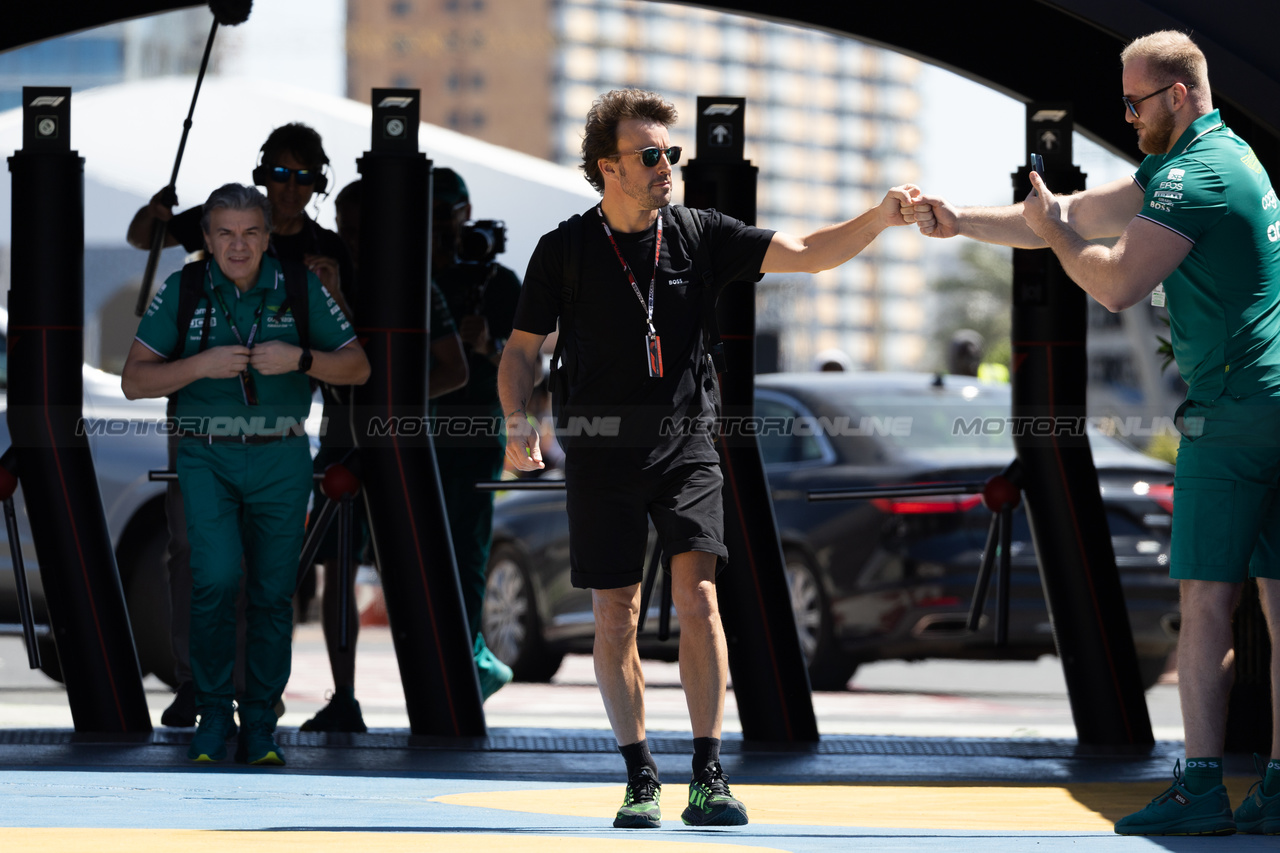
228, 13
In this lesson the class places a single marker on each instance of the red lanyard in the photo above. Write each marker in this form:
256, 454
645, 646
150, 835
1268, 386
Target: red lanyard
657, 249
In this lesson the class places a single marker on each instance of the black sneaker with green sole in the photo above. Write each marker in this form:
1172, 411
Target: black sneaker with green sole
711, 803
640, 808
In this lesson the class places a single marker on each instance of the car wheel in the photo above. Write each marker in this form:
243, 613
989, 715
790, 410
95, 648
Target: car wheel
830, 668
145, 577
512, 629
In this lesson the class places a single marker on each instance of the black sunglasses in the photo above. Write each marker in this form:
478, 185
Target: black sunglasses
649, 157
1133, 105
304, 177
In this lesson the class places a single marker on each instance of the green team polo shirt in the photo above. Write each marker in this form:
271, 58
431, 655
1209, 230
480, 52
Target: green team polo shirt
1224, 298
218, 406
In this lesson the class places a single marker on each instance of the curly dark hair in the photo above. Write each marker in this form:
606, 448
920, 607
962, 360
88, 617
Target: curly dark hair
299, 140
600, 140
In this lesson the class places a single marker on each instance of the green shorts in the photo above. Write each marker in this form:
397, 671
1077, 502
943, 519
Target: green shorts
1226, 521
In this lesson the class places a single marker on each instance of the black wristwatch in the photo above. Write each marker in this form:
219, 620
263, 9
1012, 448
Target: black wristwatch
304, 360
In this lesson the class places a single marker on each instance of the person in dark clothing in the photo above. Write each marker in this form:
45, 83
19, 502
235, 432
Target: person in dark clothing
637, 357
448, 371
292, 171
482, 296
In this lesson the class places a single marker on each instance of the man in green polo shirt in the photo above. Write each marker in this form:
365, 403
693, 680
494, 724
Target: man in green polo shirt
1198, 225
243, 387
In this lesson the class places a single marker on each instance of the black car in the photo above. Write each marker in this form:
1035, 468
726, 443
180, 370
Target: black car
869, 579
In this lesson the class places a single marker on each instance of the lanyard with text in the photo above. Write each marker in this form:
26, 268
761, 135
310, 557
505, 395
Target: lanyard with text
652, 344
247, 386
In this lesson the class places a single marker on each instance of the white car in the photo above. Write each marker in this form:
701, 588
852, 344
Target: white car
126, 444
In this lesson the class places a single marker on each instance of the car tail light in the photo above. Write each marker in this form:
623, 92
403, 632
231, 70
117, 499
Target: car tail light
1162, 495
918, 506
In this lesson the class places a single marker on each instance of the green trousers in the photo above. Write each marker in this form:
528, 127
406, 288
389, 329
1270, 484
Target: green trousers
250, 501
470, 519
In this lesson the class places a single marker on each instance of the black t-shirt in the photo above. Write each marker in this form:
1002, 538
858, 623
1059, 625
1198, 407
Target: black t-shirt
605, 349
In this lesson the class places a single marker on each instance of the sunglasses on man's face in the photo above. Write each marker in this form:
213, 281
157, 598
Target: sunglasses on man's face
649, 157
303, 177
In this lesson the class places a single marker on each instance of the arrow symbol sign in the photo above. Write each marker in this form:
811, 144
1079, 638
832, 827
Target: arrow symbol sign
721, 135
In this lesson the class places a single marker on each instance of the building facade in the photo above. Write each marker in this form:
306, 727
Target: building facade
831, 123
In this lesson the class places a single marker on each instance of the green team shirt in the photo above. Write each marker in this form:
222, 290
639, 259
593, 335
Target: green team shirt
1224, 298
218, 406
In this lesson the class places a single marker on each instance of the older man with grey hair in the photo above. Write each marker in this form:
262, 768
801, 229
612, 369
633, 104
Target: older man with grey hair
241, 370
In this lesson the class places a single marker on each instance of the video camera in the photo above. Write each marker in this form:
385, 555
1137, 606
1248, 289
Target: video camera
482, 240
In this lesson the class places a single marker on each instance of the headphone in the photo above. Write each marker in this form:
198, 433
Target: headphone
262, 173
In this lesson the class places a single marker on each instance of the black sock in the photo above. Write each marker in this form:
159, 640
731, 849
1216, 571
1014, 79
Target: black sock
705, 751
637, 755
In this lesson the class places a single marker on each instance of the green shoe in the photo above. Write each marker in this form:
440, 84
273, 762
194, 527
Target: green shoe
710, 803
494, 674
258, 744
342, 714
209, 744
640, 805
1259, 814
1177, 811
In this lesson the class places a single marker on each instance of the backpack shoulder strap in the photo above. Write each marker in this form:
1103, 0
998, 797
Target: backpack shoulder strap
691, 225
190, 292
571, 233
298, 299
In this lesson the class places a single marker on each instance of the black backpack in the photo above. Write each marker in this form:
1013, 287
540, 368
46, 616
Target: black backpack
571, 233
191, 292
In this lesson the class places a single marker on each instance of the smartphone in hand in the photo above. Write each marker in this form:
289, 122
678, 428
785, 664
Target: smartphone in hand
1037, 166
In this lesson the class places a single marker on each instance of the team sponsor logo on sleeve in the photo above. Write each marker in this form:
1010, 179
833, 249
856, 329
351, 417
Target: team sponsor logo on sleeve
1251, 162
1269, 201
1177, 174
1273, 232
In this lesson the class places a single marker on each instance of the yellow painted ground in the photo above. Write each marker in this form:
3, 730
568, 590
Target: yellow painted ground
1092, 807
211, 841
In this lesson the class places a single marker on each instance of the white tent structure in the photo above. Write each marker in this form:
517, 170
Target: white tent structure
129, 133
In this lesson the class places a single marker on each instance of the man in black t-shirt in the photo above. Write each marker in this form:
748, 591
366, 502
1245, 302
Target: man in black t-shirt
636, 358
292, 171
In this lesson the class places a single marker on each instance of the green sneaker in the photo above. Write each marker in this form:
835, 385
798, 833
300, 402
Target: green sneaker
710, 803
342, 714
1259, 814
209, 744
1177, 811
640, 805
494, 674
258, 744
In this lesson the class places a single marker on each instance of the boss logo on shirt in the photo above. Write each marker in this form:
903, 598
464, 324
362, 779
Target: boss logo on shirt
677, 281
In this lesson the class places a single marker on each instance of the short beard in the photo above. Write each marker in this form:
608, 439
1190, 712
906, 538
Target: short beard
643, 195
1159, 134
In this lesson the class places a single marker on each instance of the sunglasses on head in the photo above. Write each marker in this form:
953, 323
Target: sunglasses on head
649, 157
303, 177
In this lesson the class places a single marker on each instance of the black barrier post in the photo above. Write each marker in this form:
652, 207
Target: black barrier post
398, 466
46, 399
770, 681
1060, 483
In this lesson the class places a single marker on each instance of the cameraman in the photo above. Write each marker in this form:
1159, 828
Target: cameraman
482, 296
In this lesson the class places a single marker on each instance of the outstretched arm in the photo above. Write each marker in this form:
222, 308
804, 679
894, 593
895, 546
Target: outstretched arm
1104, 211
831, 246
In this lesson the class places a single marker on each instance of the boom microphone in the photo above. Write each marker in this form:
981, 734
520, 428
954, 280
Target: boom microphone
230, 12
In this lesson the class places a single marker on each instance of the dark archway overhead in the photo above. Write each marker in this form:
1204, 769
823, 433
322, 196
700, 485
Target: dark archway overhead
1068, 50
1043, 50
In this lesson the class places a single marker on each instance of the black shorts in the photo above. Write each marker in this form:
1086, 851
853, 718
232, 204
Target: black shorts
609, 516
